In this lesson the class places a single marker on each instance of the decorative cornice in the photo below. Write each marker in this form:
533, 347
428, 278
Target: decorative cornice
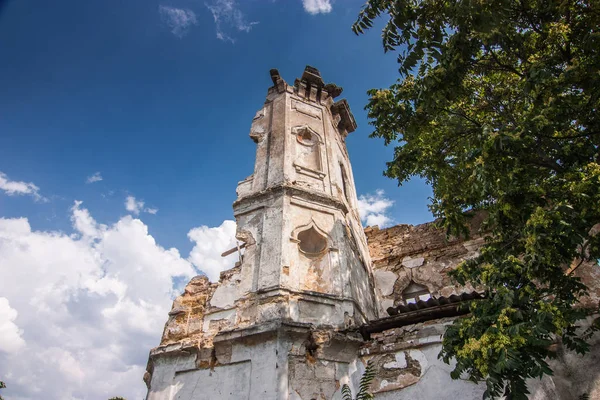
347, 121
289, 190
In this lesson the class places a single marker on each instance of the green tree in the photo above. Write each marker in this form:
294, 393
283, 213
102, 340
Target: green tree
363, 389
2, 386
497, 108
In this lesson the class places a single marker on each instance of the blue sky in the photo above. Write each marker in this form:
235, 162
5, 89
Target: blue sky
106, 86
156, 99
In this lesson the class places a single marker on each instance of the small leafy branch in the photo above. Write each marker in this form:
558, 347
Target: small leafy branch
2, 386
365, 383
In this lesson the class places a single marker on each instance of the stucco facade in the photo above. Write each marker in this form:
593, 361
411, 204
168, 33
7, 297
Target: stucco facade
289, 320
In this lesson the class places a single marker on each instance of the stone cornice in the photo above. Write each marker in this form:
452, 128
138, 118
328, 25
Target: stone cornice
289, 190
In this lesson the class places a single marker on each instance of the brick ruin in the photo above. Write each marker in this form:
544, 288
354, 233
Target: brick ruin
314, 296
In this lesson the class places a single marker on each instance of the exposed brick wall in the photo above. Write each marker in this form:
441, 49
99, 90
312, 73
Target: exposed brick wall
422, 254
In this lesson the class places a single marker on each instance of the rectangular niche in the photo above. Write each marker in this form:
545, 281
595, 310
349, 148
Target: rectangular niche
317, 313
226, 382
306, 109
308, 156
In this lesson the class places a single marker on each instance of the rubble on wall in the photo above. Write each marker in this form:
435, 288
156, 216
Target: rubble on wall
187, 314
422, 254
406, 242
194, 318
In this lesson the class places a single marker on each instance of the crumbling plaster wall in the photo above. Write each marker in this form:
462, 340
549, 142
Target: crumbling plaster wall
424, 254
406, 358
408, 367
420, 253
271, 361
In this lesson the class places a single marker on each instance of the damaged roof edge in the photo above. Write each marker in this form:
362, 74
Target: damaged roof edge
421, 311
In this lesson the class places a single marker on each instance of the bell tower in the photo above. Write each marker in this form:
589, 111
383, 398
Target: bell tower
299, 207
281, 324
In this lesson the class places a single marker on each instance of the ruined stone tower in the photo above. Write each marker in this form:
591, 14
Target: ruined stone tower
279, 325
284, 323
297, 214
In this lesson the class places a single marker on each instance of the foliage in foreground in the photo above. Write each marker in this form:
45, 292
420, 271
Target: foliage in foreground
2, 386
363, 389
497, 108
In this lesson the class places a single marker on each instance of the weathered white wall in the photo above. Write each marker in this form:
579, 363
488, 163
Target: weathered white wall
408, 368
433, 382
270, 364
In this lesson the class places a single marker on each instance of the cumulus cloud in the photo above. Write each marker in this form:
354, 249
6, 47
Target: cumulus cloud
16, 188
179, 20
373, 209
79, 312
84, 223
228, 17
135, 206
317, 6
210, 243
11, 340
96, 177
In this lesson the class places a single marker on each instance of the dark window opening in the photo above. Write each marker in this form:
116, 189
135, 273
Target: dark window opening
345, 183
415, 292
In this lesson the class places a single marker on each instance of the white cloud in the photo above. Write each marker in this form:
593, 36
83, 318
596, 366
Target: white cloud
179, 20
227, 16
84, 223
11, 340
210, 244
317, 6
135, 206
20, 188
85, 308
373, 209
96, 177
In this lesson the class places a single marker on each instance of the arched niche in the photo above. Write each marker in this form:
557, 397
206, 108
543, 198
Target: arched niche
312, 241
308, 148
316, 264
